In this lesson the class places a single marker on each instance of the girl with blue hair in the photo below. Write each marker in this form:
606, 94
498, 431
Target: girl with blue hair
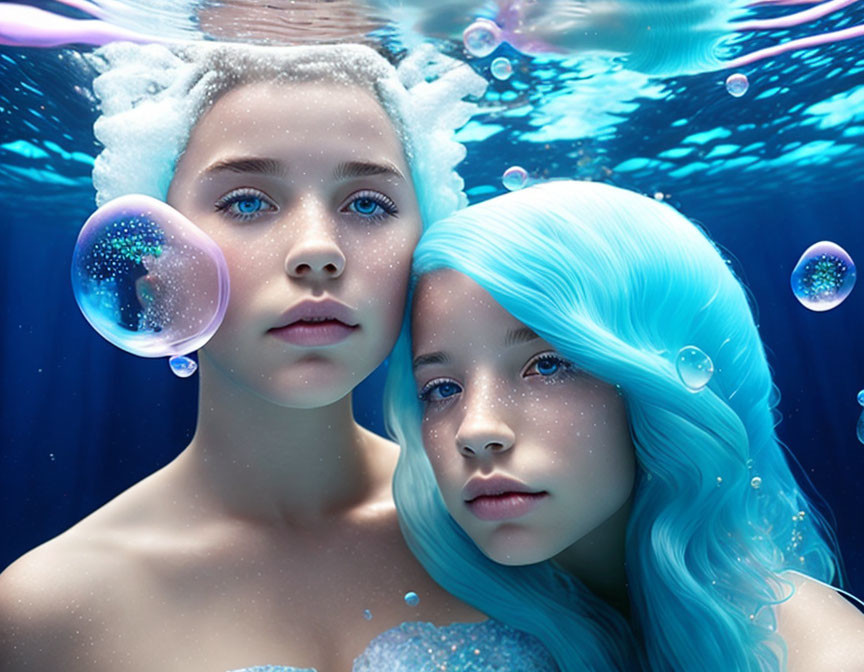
594, 487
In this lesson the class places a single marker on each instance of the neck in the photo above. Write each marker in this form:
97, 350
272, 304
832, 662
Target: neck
598, 560
275, 464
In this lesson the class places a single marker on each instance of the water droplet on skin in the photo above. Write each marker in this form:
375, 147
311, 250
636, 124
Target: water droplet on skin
755, 482
514, 178
481, 38
737, 84
823, 276
412, 599
694, 367
501, 68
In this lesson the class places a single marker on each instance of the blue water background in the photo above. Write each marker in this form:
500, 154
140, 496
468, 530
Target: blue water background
766, 175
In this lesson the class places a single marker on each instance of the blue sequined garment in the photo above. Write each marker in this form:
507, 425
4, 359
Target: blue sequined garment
489, 646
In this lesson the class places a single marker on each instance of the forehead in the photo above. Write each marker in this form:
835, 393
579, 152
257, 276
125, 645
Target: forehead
450, 309
313, 118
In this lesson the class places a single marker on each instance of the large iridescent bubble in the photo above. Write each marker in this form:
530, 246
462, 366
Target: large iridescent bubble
823, 276
149, 280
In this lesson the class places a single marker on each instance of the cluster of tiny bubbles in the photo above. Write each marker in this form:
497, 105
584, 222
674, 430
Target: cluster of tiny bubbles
514, 178
149, 281
796, 537
694, 367
367, 614
412, 599
755, 482
737, 84
481, 38
501, 68
823, 277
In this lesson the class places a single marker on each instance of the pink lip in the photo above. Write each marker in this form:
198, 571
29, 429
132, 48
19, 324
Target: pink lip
500, 497
314, 323
506, 506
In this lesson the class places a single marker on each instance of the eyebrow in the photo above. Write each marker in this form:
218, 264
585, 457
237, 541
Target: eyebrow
520, 335
263, 166
514, 337
350, 169
430, 358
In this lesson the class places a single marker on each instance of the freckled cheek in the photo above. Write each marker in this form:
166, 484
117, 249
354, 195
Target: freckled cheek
439, 442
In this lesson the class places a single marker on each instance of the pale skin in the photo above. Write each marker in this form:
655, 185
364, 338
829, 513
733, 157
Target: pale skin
497, 402
265, 540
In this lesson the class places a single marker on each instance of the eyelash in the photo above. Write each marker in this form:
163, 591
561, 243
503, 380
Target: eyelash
429, 388
237, 196
386, 204
550, 357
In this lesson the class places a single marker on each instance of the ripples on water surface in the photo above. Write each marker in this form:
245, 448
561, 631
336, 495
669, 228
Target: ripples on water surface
582, 114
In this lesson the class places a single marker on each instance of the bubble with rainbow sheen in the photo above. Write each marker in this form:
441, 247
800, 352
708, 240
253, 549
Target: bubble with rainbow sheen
148, 280
737, 84
501, 68
694, 368
514, 178
823, 277
481, 38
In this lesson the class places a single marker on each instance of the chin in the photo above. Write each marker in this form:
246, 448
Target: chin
292, 390
515, 547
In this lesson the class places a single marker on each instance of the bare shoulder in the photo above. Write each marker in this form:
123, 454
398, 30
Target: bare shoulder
822, 629
47, 601
55, 597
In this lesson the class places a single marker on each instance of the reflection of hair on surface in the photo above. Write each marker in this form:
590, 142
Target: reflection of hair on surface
290, 21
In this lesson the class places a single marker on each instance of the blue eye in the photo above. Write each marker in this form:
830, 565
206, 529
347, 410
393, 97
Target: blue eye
438, 390
244, 204
547, 365
372, 205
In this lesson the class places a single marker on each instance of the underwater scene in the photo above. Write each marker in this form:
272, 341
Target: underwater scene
746, 117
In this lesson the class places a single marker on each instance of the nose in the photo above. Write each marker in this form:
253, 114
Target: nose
316, 255
484, 435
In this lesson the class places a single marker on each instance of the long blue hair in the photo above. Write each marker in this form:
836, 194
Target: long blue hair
619, 283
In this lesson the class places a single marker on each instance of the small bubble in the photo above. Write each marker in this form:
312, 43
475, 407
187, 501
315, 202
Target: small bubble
514, 178
481, 38
411, 599
182, 366
861, 398
367, 614
719, 480
501, 68
859, 429
51, 456
695, 368
737, 84
801, 515
823, 276
755, 482
658, 196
